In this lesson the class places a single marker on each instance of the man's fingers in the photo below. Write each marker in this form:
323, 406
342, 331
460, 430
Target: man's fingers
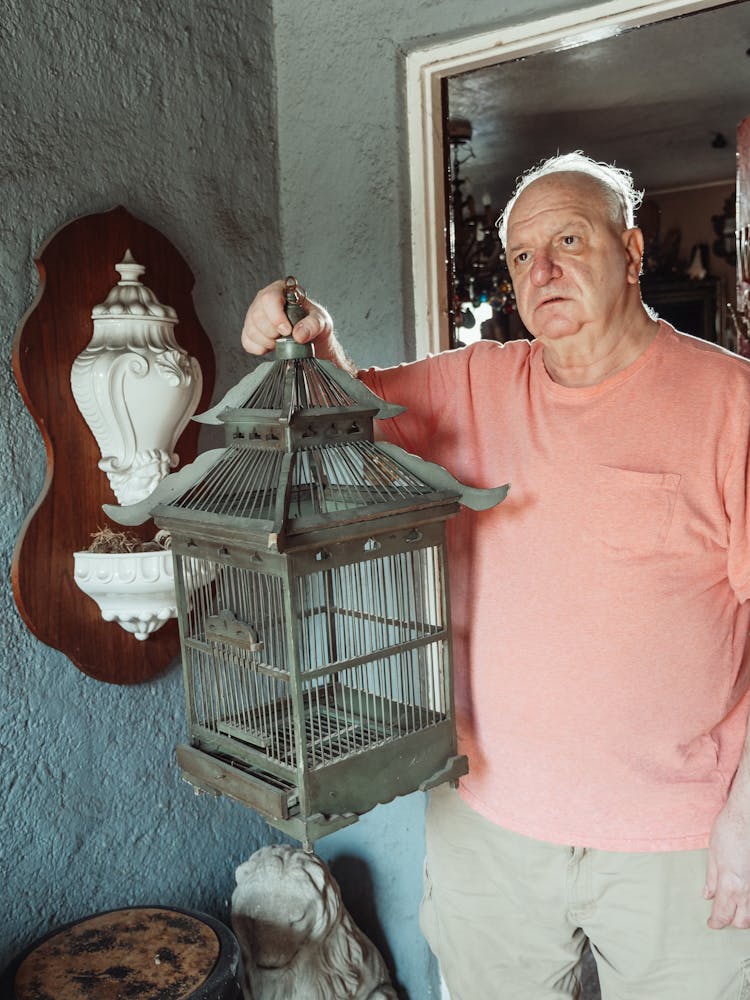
259, 333
308, 328
270, 303
722, 914
709, 890
265, 320
731, 903
257, 344
742, 915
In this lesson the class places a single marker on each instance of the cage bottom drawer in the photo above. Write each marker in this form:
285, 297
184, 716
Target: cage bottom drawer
214, 775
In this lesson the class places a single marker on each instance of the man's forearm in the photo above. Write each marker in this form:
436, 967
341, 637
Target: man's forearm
328, 348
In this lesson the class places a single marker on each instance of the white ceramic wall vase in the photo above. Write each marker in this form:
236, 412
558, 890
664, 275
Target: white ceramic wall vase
135, 386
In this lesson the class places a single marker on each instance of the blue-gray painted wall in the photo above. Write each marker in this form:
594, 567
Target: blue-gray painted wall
168, 109
261, 138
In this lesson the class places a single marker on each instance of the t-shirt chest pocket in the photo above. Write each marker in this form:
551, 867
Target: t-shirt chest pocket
629, 513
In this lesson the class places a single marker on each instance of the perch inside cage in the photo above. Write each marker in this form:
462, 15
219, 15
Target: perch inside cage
317, 664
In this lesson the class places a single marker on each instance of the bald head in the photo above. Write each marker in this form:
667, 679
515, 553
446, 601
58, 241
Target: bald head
613, 184
578, 188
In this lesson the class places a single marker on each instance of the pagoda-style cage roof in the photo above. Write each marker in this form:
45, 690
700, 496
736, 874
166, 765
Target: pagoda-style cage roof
301, 465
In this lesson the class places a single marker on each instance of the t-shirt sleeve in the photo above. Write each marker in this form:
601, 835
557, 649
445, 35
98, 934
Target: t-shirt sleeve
440, 393
429, 390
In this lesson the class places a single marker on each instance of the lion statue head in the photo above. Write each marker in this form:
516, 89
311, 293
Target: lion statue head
297, 938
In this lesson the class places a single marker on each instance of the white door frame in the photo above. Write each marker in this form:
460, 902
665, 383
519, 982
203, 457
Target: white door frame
425, 70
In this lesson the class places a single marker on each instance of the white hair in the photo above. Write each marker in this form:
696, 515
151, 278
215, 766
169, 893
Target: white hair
616, 185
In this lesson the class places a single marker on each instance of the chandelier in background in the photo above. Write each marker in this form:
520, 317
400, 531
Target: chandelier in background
479, 273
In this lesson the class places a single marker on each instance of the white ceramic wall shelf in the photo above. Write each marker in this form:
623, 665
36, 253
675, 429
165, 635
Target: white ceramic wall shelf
134, 589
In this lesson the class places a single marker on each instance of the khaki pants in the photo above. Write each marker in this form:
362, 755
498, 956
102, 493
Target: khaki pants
507, 917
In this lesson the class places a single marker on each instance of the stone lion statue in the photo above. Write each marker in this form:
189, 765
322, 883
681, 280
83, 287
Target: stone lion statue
297, 938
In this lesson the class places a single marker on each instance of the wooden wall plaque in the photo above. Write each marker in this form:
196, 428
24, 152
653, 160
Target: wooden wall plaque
77, 271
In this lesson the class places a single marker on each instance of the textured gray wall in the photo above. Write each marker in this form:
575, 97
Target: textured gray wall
343, 150
169, 109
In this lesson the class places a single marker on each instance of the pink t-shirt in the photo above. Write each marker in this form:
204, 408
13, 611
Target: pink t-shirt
601, 613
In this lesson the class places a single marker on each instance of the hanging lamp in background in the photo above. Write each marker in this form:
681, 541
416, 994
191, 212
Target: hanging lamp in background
479, 271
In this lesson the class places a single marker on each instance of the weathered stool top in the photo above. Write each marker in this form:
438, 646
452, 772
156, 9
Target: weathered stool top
137, 954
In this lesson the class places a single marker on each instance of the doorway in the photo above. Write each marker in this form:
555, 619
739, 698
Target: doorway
555, 86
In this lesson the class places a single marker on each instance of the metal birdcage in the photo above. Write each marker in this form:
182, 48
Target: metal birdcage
312, 601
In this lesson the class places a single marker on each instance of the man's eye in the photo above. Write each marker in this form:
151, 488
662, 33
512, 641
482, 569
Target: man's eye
521, 257
570, 240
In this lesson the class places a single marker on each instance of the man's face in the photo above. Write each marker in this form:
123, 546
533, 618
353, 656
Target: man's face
571, 265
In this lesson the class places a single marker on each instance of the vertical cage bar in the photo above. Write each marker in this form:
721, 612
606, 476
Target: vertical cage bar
183, 602
292, 608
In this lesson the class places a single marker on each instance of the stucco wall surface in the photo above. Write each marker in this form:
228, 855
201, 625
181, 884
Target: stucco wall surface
343, 150
168, 109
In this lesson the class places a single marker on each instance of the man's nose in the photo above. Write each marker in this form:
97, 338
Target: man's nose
544, 268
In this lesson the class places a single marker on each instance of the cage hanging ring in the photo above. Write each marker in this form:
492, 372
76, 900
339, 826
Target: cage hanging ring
294, 292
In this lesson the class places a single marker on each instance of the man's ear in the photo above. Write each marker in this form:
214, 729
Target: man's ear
632, 240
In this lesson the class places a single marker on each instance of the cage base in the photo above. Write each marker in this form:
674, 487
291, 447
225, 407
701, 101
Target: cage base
207, 773
280, 806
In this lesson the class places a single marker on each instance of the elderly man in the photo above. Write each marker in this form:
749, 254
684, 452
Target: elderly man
601, 617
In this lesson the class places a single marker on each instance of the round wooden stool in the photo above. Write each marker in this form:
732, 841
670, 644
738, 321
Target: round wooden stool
143, 953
